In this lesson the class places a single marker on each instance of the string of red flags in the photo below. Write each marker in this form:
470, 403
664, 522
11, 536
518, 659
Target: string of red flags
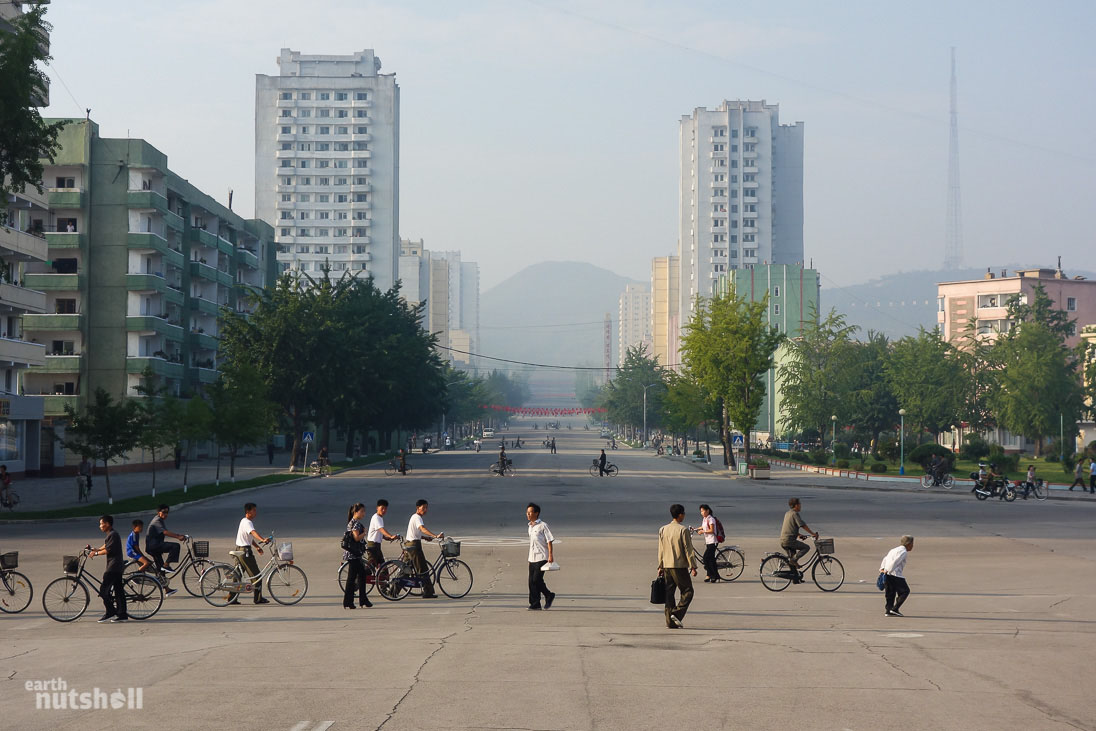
530, 411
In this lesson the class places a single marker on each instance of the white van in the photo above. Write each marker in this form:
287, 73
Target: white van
488, 433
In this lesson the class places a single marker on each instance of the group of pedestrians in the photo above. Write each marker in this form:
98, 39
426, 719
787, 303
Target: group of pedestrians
1079, 475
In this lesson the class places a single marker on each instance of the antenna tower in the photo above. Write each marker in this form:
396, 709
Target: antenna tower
953, 246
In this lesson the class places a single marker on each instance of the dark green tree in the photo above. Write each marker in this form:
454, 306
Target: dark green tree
241, 413
927, 381
103, 431
819, 375
155, 419
871, 400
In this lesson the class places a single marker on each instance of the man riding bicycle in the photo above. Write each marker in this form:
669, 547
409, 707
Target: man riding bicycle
936, 469
789, 536
503, 461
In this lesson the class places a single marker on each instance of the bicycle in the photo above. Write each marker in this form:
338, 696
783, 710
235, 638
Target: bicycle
322, 470
15, 588
826, 571
67, 598
83, 488
946, 480
610, 469
10, 501
396, 578
729, 561
393, 468
1040, 489
369, 566
286, 583
507, 470
191, 566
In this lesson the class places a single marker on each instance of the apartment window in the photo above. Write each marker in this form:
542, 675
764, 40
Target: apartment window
360, 232
719, 192
776, 293
940, 304
1071, 304
304, 130
304, 164
750, 208
341, 198
1072, 329
323, 181
304, 146
340, 215
325, 95
749, 177
302, 249
341, 113
360, 113
341, 249
734, 178
361, 181
304, 198
323, 163
323, 112
751, 132
734, 163
720, 178
749, 222
306, 181
719, 238
361, 145
734, 238
342, 147
287, 145
287, 232
719, 223
285, 95
342, 130
361, 130
361, 163
359, 215
734, 133
719, 147
287, 130
734, 208
340, 96
305, 113
720, 162
340, 233
323, 197
359, 249
361, 197
734, 253
719, 268
749, 253
66, 307
734, 223
340, 164
734, 148
304, 215
305, 96
340, 181
324, 131
287, 163
286, 215
304, 266
749, 238
323, 215
286, 113
719, 132
287, 181
750, 147
321, 232
321, 249
323, 146
361, 96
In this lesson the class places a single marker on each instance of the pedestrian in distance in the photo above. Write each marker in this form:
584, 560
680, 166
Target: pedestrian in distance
707, 529
540, 554
1078, 475
5, 484
1091, 475
246, 537
676, 565
270, 452
355, 578
85, 471
895, 588
377, 533
601, 464
789, 536
113, 592
416, 533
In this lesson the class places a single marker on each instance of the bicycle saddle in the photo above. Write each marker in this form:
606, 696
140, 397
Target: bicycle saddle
240, 554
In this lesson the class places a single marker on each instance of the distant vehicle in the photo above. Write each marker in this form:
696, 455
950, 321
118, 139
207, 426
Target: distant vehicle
605, 434
488, 433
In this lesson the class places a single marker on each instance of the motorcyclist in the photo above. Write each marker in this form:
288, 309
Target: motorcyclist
996, 482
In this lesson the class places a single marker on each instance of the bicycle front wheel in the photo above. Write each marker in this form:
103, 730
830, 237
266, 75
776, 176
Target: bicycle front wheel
144, 596
776, 573
287, 584
1041, 490
219, 583
455, 578
65, 599
394, 580
947, 482
593, 471
192, 577
15, 592
389, 469
926, 480
828, 573
729, 564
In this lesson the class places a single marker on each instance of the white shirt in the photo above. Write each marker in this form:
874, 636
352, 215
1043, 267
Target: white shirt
539, 537
414, 528
1092, 467
375, 525
895, 561
243, 535
709, 524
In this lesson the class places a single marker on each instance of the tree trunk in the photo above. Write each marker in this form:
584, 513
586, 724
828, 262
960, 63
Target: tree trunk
154, 472
746, 444
232, 463
217, 479
1039, 447
106, 476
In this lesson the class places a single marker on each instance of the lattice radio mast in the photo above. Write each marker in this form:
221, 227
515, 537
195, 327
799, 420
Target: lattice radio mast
953, 246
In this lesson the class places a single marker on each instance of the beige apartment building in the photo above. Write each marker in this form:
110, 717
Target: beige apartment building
665, 308
633, 319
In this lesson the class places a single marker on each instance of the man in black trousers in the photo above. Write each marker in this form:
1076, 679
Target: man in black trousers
113, 592
540, 553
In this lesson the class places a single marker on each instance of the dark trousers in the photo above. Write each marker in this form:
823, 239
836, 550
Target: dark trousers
601, 469
355, 580
537, 587
677, 579
796, 550
157, 553
113, 594
1092, 484
895, 590
373, 553
418, 560
251, 568
1078, 481
709, 561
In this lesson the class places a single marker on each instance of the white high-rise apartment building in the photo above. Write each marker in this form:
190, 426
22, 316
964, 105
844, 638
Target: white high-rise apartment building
634, 324
741, 195
450, 288
327, 132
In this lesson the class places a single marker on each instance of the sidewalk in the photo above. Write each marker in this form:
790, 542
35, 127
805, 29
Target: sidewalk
47, 493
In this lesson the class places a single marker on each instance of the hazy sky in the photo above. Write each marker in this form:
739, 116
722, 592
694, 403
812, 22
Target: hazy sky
547, 129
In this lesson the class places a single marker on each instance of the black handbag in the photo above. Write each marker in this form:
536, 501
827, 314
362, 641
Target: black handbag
881, 582
658, 591
351, 546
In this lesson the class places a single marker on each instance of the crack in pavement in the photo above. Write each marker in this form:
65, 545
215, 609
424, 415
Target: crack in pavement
1049, 711
415, 679
13, 673
9, 657
868, 648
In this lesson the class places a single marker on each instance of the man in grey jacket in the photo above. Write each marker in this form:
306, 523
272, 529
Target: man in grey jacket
676, 565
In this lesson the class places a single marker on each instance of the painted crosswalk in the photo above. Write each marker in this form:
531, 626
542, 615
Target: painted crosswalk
308, 726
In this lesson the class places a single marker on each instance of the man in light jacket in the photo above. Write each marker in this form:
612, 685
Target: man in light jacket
895, 588
676, 565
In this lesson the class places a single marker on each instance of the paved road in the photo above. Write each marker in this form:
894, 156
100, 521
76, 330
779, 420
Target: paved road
996, 634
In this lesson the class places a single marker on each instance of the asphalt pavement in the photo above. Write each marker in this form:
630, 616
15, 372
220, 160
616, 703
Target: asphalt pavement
996, 635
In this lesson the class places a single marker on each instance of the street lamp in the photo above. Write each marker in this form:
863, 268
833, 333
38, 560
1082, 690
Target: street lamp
656, 383
833, 440
902, 443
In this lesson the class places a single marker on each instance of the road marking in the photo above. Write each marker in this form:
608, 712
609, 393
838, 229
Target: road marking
307, 726
903, 635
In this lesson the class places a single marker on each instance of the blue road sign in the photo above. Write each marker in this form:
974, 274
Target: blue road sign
737, 441
308, 437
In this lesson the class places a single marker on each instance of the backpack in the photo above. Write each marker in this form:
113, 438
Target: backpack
354, 548
720, 536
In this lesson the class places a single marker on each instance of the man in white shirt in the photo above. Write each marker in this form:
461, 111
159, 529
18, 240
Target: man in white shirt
377, 533
246, 537
540, 553
416, 532
895, 588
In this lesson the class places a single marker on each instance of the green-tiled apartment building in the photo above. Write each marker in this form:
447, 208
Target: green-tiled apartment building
139, 264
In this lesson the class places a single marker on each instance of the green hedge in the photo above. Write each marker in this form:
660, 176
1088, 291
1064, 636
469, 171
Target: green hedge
842, 464
878, 468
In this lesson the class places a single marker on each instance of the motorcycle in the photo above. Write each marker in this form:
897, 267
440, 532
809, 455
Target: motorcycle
1000, 489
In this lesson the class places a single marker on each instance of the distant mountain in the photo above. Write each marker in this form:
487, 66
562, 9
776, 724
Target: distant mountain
898, 304
551, 312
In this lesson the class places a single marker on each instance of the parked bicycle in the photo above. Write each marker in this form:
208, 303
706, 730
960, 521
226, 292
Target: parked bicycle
393, 467
826, 571
15, 588
397, 578
508, 470
67, 598
286, 583
729, 561
191, 566
610, 469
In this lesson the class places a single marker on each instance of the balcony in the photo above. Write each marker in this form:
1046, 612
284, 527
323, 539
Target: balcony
204, 271
148, 324
203, 237
22, 354
226, 247
66, 239
750, 169
247, 259
22, 299
205, 306
206, 375
153, 283
53, 323
62, 364
153, 242
55, 404
225, 278
31, 194
137, 363
67, 198
147, 200
52, 282
750, 198
201, 341
23, 245
174, 221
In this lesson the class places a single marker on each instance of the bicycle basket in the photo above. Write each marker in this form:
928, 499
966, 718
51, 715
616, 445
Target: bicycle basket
200, 549
450, 549
285, 551
825, 545
70, 564
9, 560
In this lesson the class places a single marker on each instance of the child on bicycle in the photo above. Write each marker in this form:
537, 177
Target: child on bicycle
133, 546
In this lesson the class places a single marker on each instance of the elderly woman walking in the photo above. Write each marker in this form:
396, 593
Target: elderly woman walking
895, 588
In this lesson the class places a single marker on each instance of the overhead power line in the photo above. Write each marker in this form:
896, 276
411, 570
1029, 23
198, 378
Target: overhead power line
537, 365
